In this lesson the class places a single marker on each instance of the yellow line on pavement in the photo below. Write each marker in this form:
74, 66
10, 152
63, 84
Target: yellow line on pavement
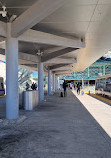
85, 91
102, 98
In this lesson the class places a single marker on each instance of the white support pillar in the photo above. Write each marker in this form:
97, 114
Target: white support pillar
104, 68
53, 82
82, 80
49, 82
56, 83
12, 101
88, 77
40, 81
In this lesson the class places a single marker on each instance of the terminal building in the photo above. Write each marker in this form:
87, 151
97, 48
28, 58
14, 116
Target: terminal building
90, 74
57, 39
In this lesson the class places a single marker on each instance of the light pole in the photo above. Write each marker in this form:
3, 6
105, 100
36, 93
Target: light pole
82, 80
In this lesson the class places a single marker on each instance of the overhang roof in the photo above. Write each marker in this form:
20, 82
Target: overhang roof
75, 21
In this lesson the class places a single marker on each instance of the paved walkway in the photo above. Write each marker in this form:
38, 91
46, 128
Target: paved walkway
59, 128
98, 109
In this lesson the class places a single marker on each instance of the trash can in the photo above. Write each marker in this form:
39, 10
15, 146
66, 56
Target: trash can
30, 99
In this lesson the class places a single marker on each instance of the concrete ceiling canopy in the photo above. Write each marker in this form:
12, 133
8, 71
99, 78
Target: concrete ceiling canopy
73, 32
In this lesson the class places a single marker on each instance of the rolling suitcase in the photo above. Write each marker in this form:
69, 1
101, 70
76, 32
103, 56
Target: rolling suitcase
61, 94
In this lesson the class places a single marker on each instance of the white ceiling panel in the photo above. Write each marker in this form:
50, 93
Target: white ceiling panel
72, 27
71, 13
104, 2
82, 2
73, 54
101, 12
84, 18
93, 27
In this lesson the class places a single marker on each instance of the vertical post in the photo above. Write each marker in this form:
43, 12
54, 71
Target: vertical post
12, 101
88, 77
74, 74
40, 82
49, 82
88, 72
104, 70
58, 86
82, 80
54, 82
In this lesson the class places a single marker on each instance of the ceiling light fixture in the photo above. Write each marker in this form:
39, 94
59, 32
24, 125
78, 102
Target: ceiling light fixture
3, 12
39, 53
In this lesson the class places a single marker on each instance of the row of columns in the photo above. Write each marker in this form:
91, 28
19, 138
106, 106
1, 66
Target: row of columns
54, 82
12, 94
49, 82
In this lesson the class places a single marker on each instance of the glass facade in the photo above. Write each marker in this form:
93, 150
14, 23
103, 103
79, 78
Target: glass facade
100, 67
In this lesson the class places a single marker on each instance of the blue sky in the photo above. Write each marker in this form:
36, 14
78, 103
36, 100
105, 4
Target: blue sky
35, 74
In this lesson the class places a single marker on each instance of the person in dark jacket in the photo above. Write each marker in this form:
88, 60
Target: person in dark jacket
27, 86
33, 86
64, 87
78, 88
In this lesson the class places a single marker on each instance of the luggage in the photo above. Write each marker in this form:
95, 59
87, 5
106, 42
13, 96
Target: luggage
61, 94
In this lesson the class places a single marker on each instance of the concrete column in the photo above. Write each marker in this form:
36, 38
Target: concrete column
49, 82
54, 82
58, 82
40, 82
12, 101
82, 80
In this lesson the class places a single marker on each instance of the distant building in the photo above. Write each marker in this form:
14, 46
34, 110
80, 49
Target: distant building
102, 66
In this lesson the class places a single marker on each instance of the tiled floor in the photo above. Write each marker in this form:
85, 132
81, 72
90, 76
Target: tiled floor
58, 128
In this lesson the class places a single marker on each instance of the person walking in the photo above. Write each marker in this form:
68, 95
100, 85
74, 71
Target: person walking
78, 88
74, 86
64, 87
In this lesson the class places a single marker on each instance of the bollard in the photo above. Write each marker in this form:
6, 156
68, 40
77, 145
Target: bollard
82, 92
89, 92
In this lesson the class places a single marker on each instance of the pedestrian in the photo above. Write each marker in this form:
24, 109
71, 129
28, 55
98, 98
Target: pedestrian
74, 86
27, 86
33, 86
64, 87
78, 88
